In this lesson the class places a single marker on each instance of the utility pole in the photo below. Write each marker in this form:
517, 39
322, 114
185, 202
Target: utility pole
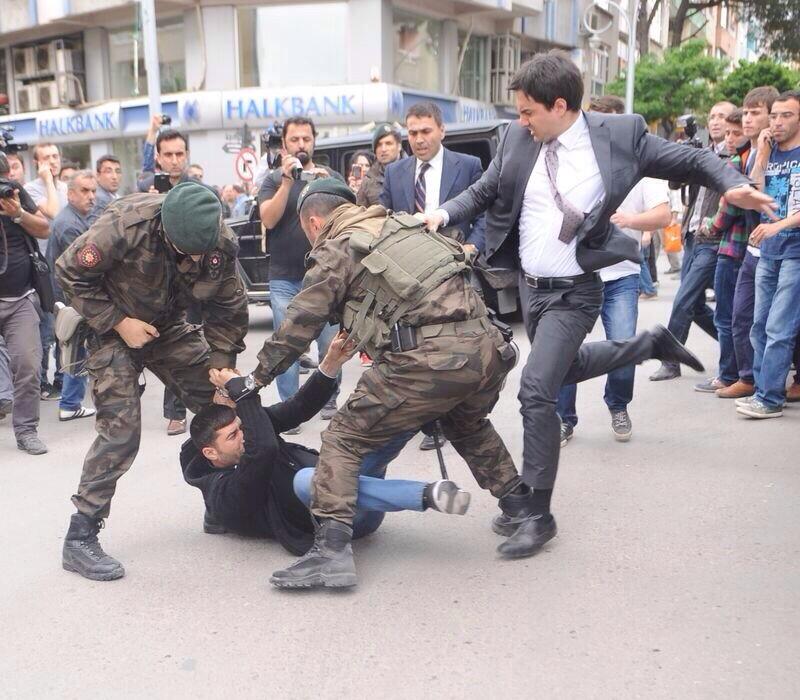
148, 10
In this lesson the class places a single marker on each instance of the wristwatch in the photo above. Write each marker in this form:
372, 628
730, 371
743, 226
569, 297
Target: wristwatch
240, 388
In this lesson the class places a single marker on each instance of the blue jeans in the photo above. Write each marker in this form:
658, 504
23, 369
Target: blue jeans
281, 294
697, 275
619, 314
376, 495
742, 321
73, 390
724, 288
776, 322
646, 284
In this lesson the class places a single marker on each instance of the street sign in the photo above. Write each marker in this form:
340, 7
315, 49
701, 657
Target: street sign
246, 164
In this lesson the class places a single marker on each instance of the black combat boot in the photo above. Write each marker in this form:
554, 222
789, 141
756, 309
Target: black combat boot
328, 563
83, 553
527, 530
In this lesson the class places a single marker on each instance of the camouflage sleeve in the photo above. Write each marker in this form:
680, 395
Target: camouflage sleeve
225, 317
320, 300
81, 269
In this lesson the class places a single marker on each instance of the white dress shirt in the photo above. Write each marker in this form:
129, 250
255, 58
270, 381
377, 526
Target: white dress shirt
578, 180
647, 194
433, 180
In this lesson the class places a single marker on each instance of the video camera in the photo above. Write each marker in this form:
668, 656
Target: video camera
272, 143
688, 123
6, 137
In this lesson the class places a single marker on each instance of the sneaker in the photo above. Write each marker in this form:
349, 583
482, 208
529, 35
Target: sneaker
645, 296
329, 410
744, 400
293, 431
31, 444
6, 407
366, 361
737, 390
446, 497
50, 393
793, 393
80, 412
176, 427
621, 426
566, 433
711, 385
758, 409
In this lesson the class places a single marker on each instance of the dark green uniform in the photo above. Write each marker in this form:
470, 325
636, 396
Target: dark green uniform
123, 267
455, 374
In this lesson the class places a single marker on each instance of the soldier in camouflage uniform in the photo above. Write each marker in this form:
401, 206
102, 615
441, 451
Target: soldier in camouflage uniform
131, 276
455, 374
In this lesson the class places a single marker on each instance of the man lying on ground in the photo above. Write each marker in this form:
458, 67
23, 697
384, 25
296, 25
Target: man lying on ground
254, 483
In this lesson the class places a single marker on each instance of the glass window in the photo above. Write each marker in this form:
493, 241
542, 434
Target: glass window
472, 81
275, 45
128, 75
416, 51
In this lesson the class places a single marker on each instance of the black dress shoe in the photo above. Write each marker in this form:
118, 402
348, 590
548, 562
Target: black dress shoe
670, 350
504, 525
428, 442
529, 537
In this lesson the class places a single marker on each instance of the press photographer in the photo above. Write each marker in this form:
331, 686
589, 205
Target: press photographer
20, 223
294, 167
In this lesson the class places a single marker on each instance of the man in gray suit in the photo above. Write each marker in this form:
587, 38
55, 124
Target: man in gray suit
558, 176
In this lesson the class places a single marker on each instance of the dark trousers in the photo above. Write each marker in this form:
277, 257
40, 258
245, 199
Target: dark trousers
744, 299
697, 275
724, 288
557, 323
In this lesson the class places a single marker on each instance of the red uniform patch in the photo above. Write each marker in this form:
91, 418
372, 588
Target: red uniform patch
89, 256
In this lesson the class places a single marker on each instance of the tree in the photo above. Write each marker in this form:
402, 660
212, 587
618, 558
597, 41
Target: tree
646, 15
680, 82
748, 75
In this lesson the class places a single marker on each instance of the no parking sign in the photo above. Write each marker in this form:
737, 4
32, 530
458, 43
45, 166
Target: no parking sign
246, 164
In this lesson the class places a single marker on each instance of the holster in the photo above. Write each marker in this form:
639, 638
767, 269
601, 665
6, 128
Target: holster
72, 331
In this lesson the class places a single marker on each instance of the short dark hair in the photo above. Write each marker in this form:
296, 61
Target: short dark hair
321, 204
549, 76
425, 109
5, 168
764, 95
607, 104
68, 165
43, 144
735, 117
107, 158
299, 121
170, 135
369, 155
788, 95
208, 421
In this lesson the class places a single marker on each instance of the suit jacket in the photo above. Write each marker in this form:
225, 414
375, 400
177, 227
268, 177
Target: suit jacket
625, 152
459, 171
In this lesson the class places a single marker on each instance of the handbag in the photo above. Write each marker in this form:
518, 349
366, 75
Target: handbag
42, 278
671, 240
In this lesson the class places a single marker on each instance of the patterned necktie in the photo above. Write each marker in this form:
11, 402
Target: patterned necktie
419, 188
573, 218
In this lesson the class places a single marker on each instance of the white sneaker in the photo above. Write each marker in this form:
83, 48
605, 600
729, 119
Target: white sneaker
744, 401
446, 497
80, 412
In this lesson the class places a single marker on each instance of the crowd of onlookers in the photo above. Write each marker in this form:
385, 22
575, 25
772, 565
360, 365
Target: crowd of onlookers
749, 264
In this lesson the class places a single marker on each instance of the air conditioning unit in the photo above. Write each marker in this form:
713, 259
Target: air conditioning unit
24, 62
27, 98
45, 59
47, 92
68, 89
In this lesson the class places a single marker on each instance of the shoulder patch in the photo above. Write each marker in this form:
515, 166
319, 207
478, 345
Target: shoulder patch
214, 264
89, 255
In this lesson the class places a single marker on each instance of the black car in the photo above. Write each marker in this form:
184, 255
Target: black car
479, 139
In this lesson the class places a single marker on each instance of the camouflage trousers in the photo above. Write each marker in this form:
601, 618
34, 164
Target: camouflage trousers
179, 358
455, 378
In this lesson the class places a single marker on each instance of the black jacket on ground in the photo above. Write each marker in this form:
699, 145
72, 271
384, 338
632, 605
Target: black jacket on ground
256, 497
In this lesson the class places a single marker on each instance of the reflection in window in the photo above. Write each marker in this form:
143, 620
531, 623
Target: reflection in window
416, 51
128, 75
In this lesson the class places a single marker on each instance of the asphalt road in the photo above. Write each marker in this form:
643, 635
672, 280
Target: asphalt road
675, 573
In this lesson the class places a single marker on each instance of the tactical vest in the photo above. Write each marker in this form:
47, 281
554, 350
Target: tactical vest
402, 265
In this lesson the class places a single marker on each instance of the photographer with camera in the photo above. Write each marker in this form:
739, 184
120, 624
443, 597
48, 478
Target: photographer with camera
288, 245
699, 253
20, 224
165, 157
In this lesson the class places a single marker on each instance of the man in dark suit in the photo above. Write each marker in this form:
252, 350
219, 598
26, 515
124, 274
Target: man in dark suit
558, 176
434, 175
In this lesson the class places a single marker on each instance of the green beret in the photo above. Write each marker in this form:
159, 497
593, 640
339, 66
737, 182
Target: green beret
385, 129
325, 185
191, 215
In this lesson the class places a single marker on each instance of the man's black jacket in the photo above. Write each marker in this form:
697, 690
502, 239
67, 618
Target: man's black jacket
256, 497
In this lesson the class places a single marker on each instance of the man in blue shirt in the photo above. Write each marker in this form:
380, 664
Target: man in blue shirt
776, 319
